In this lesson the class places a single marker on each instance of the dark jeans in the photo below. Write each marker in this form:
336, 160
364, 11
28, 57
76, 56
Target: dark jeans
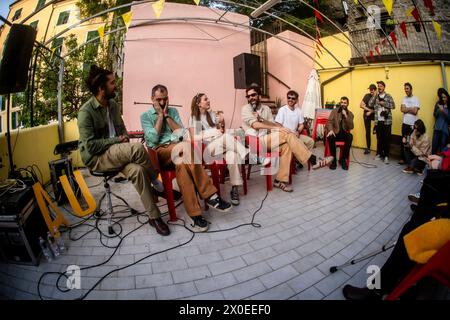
406, 132
346, 137
412, 160
367, 123
439, 141
383, 138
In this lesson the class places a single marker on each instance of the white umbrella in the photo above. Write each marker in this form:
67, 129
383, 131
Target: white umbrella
312, 98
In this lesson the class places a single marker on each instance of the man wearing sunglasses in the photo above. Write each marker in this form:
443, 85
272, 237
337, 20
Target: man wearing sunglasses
258, 121
291, 117
163, 132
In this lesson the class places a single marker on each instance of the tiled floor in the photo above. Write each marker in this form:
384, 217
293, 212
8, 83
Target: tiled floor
330, 218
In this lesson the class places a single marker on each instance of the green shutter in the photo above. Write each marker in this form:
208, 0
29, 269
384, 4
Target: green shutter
17, 14
40, 4
34, 24
63, 18
2, 103
13, 120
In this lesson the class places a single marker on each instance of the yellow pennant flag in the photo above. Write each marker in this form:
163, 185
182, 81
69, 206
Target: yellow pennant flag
356, 2
409, 12
127, 18
197, 2
101, 32
158, 7
438, 29
388, 4
53, 52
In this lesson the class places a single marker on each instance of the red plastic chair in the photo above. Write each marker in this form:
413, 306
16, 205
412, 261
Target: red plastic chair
253, 143
340, 145
437, 267
321, 117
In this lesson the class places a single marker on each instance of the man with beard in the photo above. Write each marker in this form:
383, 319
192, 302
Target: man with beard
258, 121
104, 144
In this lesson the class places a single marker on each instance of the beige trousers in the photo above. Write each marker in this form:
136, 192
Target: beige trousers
287, 144
132, 160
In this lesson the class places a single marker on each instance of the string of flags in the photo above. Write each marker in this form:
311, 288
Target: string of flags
393, 36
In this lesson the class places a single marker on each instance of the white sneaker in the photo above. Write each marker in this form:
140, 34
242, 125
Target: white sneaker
386, 160
377, 157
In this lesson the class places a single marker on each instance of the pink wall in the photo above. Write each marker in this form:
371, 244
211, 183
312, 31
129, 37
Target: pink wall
161, 53
289, 64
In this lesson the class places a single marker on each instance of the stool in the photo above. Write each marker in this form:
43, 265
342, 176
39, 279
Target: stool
106, 177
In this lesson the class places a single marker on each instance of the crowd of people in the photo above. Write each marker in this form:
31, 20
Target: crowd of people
105, 146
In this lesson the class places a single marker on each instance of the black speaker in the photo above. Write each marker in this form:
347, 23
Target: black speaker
16, 57
247, 70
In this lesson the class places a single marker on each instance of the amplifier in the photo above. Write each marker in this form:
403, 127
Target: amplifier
15, 202
19, 234
59, 168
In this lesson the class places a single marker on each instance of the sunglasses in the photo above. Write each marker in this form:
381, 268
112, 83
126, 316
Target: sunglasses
251, 95
291, 98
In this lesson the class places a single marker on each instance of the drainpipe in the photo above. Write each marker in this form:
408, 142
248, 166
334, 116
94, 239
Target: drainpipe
444, 75
339, 75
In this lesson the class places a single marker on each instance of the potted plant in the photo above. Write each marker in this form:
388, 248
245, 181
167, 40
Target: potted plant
330, 104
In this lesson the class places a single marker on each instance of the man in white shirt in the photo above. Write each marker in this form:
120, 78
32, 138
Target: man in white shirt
410, 107
291, 117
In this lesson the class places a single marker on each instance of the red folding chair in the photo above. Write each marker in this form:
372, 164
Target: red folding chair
437, 267
253, 143
340, 145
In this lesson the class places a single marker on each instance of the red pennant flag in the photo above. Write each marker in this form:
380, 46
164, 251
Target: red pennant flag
377, 50
394, 38
318, 16
371, 56
429, 4
383, 42
320, 42
403, 28
415, 14
316, 2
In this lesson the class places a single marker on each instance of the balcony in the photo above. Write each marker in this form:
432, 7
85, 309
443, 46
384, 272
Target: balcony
422, 43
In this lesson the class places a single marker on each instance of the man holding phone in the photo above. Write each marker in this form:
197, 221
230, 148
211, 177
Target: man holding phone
163, 132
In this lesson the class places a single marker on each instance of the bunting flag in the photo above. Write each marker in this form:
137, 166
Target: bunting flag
371, 56
356, 2
318, 16
388, 4
127, 18
316, 2
394, 38
197, 2
377, 50
383, 42
158, 7
429, 4
403, 28
438, 29
101, 32
53, 53
413, 12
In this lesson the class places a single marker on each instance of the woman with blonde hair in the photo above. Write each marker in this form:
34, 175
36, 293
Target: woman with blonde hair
208, 127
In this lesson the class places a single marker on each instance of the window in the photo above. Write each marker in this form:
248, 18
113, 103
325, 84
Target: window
40, 4
34, 24
57, 43
17, 14
14, 120
2, 103
63, 18
0, 124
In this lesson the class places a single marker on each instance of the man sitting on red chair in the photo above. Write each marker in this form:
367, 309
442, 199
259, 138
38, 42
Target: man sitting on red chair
258, 121
163, 131
338, 127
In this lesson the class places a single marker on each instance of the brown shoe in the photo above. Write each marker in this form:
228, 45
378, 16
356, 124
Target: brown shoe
160, 226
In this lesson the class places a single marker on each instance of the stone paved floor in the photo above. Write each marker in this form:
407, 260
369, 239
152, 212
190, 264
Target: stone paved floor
330, 218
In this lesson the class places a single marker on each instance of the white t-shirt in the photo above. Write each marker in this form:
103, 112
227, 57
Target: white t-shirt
202, 124
410, 102
289, 118
381, 118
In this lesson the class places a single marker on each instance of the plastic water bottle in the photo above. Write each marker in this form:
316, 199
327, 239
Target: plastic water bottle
59, 241
52, 244
45, 250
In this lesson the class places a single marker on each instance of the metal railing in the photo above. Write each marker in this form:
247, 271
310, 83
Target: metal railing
422, 42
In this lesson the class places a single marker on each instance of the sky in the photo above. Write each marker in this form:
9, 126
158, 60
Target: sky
4, 7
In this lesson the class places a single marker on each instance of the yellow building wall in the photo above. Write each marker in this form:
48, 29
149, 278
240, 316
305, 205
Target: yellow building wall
35, 146
425, 77
48, 16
